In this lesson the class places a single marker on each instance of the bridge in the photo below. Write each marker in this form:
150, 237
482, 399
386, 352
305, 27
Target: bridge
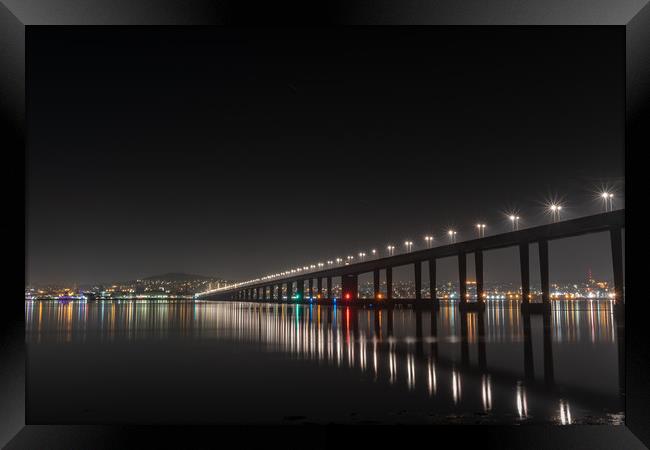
272, 288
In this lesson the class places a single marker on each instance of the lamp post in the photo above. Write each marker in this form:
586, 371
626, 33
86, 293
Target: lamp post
428, 240
515, 221
391, 250
555, 211
408, 245
452, 235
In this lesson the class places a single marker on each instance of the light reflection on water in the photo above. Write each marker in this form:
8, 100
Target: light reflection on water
484, 354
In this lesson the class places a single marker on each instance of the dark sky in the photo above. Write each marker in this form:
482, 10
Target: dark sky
236, 153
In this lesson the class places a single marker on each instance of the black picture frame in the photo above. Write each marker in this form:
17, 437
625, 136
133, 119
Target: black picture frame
18, 16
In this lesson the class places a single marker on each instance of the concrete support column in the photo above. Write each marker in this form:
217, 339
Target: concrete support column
329, 288
375, 279
311, 288
462, 277
389, 283
432, 279
543, 270
319, 286
280, 292
524, 265
300, 289
617, 263
418, 280
350, 286
289, 290
478, 265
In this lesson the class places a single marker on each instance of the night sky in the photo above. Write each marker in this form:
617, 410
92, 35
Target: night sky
237, 153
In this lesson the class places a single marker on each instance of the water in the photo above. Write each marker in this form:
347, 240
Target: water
224, 362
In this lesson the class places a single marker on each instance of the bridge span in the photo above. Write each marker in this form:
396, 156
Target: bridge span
276, 288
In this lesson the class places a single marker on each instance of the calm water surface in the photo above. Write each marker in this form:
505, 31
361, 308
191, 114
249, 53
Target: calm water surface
178, 362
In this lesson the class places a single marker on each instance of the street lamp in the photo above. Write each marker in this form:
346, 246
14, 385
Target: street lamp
374, 252
362, 255
339, 260
391, 249
481, 229
452, 235
515, 221
348, 259
428, 240
608, 200
555, 211
409, 245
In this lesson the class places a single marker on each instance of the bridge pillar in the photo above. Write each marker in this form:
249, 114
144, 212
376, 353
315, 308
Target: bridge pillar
389, 283
257, 293
311, 288
350, 285
329, 288
478, 266
300, 289
617, 263
289, 290
375, 282
280, 292
462, 277
417, 266
524, 265
319, 287
432, 281
543, 270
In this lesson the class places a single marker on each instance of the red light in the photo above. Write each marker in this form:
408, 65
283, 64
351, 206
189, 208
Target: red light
347, 296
